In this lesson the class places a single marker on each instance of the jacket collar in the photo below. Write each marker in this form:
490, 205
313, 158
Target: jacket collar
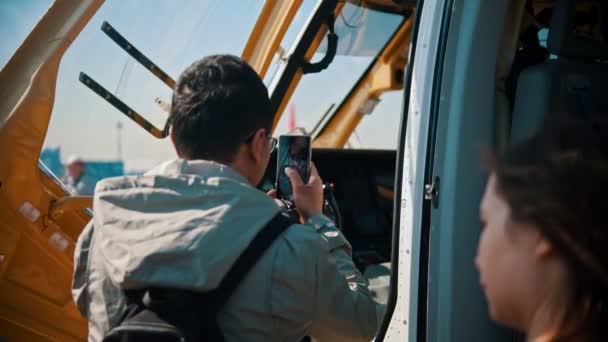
203, 168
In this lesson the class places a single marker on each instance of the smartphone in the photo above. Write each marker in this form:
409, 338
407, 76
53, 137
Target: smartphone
294, 151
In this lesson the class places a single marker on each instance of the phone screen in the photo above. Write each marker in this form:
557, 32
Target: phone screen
294, 151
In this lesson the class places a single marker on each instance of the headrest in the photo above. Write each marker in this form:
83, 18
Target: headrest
563, 41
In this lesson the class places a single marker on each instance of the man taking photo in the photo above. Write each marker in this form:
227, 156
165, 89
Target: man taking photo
183, 224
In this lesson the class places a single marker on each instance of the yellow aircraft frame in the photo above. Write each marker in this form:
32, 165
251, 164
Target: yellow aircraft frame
39, 220
38, 233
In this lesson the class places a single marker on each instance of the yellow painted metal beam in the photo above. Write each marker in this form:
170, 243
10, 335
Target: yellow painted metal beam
380, 78
28, 94
36, 255
69, 203
268, 32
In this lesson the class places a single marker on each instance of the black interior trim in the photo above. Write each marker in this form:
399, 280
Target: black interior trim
332, 48
360, 180
429, 170
294, 63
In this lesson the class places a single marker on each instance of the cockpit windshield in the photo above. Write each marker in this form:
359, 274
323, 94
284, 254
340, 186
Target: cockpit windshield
84, 124
363, 33
172, 36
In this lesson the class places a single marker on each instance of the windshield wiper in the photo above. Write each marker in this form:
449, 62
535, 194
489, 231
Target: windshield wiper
115, 101
136, 54
123, 107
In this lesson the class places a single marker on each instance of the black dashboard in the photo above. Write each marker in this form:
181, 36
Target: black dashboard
363, 182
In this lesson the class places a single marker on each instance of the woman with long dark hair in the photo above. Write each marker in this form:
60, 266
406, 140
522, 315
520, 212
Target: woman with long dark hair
543, 252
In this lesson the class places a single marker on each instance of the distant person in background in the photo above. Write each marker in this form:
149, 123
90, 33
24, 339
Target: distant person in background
76, 179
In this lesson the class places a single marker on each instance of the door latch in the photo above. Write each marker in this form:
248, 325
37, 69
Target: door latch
431, 192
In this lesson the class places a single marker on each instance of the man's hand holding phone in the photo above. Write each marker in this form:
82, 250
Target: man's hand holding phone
308, 198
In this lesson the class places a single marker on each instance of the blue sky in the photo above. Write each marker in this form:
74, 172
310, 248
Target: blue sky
173, 37
17, 18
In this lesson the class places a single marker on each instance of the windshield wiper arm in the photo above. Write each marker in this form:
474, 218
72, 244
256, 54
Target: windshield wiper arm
123, 107
115, 101
135, 53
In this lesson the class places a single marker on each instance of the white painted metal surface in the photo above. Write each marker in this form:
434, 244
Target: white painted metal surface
404, 320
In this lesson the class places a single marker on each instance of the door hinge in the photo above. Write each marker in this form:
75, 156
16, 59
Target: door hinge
431, 192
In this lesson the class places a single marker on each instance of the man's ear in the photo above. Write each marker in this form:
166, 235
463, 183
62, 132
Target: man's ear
173, 142
543, 248
258, 145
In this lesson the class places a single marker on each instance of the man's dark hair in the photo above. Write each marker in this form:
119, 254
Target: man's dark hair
218, 103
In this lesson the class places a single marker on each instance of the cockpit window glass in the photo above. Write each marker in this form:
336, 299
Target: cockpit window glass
362, 33
379, 130
297, 24
172, 34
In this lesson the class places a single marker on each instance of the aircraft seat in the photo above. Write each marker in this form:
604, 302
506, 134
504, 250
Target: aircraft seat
575, 81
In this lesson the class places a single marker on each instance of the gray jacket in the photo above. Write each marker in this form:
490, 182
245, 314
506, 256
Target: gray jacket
184, 223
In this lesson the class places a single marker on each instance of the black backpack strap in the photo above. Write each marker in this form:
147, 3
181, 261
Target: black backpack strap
250, 256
